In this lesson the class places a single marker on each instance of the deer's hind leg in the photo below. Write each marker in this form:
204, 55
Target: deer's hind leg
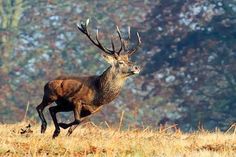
45, 102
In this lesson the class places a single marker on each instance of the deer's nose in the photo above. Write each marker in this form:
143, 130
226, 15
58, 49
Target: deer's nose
136, 69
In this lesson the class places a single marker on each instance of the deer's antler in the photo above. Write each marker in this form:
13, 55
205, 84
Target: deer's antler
125, 48
130, 52
83, 28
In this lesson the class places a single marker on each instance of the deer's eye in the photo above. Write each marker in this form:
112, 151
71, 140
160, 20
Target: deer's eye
121, 62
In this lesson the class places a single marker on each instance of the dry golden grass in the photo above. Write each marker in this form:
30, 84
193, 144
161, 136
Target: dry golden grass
88, 140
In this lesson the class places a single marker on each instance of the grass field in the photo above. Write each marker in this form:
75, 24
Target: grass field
88, 140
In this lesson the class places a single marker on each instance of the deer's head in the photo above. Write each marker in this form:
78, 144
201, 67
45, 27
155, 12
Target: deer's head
120, 63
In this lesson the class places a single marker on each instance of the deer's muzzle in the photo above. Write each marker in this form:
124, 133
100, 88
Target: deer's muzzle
135, 69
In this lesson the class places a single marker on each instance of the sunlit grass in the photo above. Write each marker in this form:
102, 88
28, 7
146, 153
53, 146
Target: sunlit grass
89, 140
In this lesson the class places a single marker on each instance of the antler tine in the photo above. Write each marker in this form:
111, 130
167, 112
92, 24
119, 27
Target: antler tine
83, 28
129, 32
137, 47
124, 46
119, 35
112, 44
99, 44
123, 41
102, 47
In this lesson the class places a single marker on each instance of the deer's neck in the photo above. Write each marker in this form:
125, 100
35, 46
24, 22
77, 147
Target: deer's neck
110, 85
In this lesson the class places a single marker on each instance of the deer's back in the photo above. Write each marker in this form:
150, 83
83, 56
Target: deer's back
71, 89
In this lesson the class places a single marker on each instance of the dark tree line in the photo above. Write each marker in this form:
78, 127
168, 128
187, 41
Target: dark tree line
196, 42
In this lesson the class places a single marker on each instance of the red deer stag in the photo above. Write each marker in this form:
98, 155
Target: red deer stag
86, 95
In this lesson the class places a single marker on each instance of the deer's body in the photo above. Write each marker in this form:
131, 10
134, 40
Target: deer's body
91, 91
86, 95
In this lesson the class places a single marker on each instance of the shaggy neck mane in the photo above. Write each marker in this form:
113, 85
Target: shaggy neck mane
109, 85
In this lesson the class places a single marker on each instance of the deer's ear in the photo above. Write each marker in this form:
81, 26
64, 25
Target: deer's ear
109, 59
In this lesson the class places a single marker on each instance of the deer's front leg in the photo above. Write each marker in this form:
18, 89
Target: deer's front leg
53, 111
77, 110
85, 112
76, 122
73, 127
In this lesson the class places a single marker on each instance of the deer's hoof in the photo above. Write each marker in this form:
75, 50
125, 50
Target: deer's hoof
43, 127
69, 132
55, 134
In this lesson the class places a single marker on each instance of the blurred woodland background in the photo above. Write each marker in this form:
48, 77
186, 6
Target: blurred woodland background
188, 57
